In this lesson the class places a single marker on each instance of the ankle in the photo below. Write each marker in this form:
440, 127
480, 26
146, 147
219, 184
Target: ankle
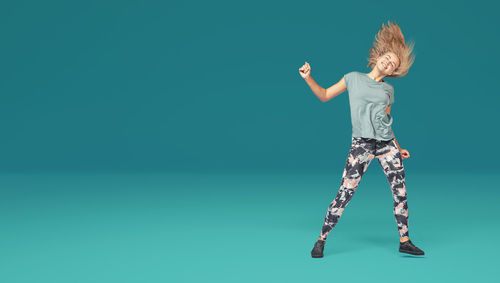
403, 239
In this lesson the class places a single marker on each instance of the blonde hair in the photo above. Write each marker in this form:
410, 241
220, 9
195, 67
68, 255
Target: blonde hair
390, 39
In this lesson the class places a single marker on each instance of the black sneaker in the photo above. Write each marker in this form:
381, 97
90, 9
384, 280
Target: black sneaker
409, 248
317, 251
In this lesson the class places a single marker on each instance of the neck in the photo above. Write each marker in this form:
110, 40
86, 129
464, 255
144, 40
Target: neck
376, 75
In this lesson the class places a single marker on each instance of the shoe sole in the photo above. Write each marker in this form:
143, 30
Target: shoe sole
317, 256
410, 252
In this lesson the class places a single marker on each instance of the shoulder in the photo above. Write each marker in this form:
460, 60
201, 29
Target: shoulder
349, 75
390, 92
389, 87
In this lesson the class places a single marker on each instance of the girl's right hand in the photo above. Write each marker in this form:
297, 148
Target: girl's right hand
305, 70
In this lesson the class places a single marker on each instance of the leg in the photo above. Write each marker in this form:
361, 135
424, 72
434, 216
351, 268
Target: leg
391, 161
358, 160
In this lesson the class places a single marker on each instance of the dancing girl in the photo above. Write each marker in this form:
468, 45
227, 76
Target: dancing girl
370, 100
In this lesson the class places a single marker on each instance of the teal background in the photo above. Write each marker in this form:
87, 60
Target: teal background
153, 141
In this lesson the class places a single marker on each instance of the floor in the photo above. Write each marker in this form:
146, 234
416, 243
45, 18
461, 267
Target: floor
193, 227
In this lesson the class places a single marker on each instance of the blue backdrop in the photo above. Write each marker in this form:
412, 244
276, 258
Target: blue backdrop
164, 85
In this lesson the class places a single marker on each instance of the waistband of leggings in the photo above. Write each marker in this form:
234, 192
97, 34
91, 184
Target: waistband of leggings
370, 139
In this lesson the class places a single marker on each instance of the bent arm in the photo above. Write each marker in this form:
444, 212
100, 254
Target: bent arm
335, 89
316, 88
326, 94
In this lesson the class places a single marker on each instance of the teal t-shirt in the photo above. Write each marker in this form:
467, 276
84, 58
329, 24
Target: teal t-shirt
368, 100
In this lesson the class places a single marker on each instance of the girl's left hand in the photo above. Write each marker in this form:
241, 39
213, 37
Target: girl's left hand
404, 153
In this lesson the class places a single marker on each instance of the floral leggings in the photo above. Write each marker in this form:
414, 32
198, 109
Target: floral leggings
362, 152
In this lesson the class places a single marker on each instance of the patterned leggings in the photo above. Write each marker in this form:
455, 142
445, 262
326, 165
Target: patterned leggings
362, 152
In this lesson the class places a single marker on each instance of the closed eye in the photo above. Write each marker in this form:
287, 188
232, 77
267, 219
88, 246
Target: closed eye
393, 64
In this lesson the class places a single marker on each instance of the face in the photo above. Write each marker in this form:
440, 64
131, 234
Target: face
388, 63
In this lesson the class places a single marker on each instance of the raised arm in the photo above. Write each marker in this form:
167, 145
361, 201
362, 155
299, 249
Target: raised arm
323, 94
335, 90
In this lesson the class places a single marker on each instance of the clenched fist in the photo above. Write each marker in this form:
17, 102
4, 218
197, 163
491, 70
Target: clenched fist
305, 70
404, 153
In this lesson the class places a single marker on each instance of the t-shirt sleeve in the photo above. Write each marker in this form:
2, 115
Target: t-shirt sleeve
347, 78
391, 99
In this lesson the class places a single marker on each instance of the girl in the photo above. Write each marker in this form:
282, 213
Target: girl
370, 99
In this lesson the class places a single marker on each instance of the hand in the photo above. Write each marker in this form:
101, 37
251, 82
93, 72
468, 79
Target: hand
305, 70
404, 153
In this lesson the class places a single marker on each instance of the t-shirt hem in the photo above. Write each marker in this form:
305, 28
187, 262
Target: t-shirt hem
372, 137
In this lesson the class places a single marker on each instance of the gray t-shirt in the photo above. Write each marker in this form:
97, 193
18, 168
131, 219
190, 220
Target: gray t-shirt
368, 100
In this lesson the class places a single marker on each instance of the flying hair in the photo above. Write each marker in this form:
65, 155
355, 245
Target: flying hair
390, 39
